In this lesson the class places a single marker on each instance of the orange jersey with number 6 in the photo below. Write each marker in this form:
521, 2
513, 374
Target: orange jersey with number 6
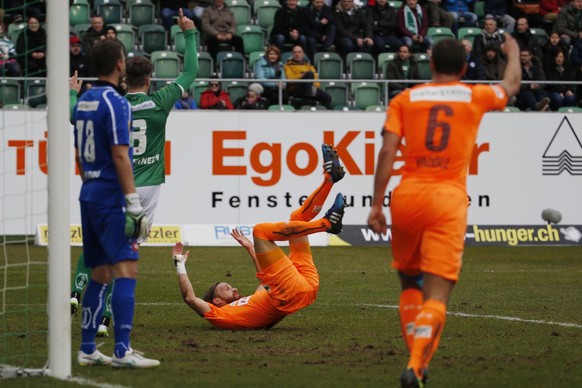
440, 122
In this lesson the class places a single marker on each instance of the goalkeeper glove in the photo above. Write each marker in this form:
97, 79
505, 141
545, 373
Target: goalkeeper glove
180, 263
136, 223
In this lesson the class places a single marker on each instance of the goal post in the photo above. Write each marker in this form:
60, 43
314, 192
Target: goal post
59, 163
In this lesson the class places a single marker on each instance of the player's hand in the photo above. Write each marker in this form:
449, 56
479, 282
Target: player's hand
184, 22
509, 46
241, 239
377, 221
136, 223
75, 83
178, 254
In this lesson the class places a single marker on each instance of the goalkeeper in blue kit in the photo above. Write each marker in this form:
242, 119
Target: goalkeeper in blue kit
112, 216
150, 113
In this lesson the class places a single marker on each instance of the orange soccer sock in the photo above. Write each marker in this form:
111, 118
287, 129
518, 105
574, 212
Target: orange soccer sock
408, 308
313, 204
283, 231
265, 259
427, 334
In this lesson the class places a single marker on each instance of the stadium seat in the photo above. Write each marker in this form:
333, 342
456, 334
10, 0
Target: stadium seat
395, 4
152, 38
231, 64
15, 107
383, 59
230, 2
80, 29
284, 107
468, 33
360, 66
511, 109
35, 92
423, 61
346, 108
196, 89
79, 12
111, 11
439, 33
14, 29
241, 11
313, 108
253, 38
541, 34
376, 108
328, 65
253, 57
126, 36
479, 10
10, 91
366, 94
141, 13
205, 64
166, 64
134, 53
338, 92
570, 109
236, 89
285, 55
265, 12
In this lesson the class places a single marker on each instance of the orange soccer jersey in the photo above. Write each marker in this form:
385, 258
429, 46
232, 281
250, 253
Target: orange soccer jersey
439, 124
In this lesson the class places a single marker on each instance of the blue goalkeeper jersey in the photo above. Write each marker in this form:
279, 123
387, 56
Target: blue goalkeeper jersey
102, 119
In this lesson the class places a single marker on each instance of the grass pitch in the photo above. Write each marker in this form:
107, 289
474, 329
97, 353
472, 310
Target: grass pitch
514, 320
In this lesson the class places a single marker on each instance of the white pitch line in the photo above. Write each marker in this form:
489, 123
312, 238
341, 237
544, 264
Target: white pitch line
499, 317
91, 383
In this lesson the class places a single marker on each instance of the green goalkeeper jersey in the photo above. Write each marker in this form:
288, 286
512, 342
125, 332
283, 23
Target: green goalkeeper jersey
150, 113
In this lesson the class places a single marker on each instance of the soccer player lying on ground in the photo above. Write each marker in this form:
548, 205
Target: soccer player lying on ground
288, 283
439, 122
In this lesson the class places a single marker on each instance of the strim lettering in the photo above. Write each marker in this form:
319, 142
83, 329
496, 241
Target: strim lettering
146, 161
92, 174
432, 162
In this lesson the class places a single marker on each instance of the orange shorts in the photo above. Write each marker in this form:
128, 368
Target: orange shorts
292, 281
428, 229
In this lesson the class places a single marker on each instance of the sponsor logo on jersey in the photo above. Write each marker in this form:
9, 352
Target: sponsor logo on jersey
143, 106
87, 106
449, 93
423, 332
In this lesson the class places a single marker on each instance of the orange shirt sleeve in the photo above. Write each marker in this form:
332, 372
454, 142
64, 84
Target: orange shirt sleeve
250, 312
394, 120
490, 97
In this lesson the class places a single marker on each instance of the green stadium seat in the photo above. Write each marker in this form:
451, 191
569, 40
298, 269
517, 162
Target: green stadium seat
235, 89
14, 29
253, 38
79, 13
439, 33
284, 107
395, 4
366, 94
141, 13
383, 59
253, 57
376, 108
80, 29
423, 61
231, 64
241, 11
265, 12
328, 65
10, 91
511, 109
197, 88
15, 107
570, 109
152, 38
540, 34
111, 11
346, 108
338, 92
126, 35
313, 108
166, 64
360, 66
35, 92
205, 64
468, 33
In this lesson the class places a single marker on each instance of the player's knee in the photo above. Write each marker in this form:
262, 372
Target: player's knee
261, 231
408, 280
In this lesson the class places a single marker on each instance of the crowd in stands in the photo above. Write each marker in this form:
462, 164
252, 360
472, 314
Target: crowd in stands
297, 36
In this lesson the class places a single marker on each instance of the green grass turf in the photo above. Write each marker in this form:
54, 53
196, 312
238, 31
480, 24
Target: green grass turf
351, 336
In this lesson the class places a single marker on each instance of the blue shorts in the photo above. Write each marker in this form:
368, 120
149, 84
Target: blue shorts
104, 239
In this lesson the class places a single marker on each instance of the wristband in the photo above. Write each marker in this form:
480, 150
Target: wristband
180, 264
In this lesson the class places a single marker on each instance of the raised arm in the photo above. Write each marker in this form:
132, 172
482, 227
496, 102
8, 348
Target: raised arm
195, 303
512, 77
190, 71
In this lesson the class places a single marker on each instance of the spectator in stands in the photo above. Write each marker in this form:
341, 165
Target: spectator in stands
551, 47
489, 37
187, 101
525, 39
531, 96
475, 70
320, 25
437, 16
560, 94
270, 67
403, 66
298, 67
576, 61
214, 97
290, 27
79, 62
493, 63
384, 23
31, 49
497, 9
461, 14
8, 65
569, 22
170, 10
110, 32
253, 99
413, 25
549, 9
219, 26
354, 32
94, 33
